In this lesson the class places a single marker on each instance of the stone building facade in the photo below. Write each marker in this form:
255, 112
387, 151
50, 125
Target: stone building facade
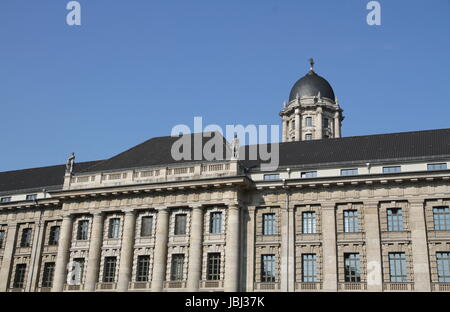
368, 213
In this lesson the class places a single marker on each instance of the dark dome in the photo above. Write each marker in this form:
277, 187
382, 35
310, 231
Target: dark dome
310, 85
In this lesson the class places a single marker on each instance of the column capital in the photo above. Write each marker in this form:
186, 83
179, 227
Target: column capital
328, 206
416, 201
163, 209
233, 207
67, 216
97, 213
196, 206
371, 205
129, 211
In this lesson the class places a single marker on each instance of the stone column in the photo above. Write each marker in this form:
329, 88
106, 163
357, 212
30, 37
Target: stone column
291, 249
329, 247
319, 124
373, 247
195, 249
251, 248
126, 253
284, 138
337, 126
421, 263
232, 250
95, 251
62, 258
8, 253
297, 125
284, 230
35, 262
160, 254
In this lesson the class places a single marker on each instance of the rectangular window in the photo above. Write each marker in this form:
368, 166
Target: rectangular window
395, 219
114, 228
352, 268
441, 217
213, 273
47, 275
25, 241
77, 271
309, 222
54, 235
326, 122
308, 137
268, 268
308, 121
271, 177
398, 271
443, 266
180, 224
32, 197
309, 174
109, 270
215, 222
349, 172
351, 221
146, 226
143, 268
176, 272
83, 230
19, 277
2, 238
391, 169
4, 200
309, 264
269, 224
442, 166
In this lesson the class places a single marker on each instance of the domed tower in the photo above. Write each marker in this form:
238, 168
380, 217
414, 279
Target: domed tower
313, 112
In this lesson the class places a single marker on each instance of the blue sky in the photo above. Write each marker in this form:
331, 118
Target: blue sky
134, 69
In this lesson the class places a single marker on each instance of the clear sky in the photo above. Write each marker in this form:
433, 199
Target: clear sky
136, 68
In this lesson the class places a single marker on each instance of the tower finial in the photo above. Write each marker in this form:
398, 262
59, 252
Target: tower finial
311, 62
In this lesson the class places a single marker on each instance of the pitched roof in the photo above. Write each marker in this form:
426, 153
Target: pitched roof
369, 148
155, 152
37, 178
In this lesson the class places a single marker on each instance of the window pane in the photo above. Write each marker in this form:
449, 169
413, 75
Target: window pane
309, 274
146, 226
269, 177
54, 235
47, 276
441, 166
216, 222
2, 238
114, 228
309, 174
77, 271
348, 172
309, 222
397, 268
443, 266
180, 224
213, 268
143, 269
25, 241
82, 231
395, 219
392, 169
176, 273
109, 270
19, 277
268, 268
351, 221
269, 224
441, 216
352, 268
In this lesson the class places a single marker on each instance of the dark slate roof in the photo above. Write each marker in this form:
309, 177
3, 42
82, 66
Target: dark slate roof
153, 152
370, 148
310, 85
37, 178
